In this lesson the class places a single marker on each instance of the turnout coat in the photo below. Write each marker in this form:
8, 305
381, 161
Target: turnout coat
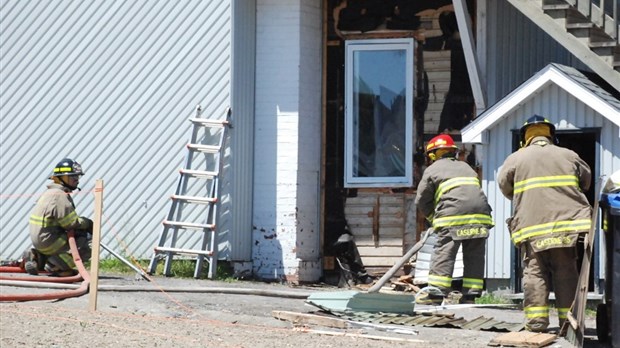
546, 184
449, 195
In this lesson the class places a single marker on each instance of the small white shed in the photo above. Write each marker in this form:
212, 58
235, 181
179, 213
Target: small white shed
587, 120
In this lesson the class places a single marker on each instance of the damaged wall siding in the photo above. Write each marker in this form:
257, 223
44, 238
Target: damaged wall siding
287, 141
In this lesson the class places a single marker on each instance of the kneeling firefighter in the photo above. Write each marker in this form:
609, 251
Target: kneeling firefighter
52, 217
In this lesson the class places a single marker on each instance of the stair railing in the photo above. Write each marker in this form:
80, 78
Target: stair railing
603, 13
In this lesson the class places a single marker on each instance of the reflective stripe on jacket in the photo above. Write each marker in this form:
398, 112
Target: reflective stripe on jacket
546, 183
449, 195
53, 213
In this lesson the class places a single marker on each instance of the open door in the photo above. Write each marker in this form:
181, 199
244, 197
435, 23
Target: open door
583, 142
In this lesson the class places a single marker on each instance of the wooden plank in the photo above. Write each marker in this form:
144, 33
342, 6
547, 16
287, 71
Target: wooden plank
439, 86
439, 75
385, 209
382, 251
434, 107
395, 239
365, 221
387, 232
434, 116
439, 64
392, 228
523, 339
437, 98
428, 33
365, 200
368, 201
431, 127
358, 335
434, 120
96, 244
436, 55
310, 319
383, 261
576, 334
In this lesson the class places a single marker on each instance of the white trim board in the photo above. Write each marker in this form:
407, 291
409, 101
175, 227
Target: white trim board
552, 73
467, 39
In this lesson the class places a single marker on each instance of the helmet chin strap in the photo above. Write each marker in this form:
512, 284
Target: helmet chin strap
64, 184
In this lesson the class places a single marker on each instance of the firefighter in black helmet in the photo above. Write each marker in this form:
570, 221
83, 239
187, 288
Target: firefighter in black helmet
546, 184
53, 215
67, 173
544, 128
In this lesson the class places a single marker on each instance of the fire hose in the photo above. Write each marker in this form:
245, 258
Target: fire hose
81, 290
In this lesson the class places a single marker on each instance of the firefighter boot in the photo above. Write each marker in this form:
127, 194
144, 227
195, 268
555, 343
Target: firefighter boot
31, 262
454, 297
471, 296
537, 325
429, 296
55, 271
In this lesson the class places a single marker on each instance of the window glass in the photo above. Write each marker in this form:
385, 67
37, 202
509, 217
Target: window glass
379, 113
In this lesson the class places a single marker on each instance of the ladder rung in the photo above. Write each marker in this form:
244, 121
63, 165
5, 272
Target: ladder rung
189, 225
194, 199
184, 251
209, 123
204, 148
199, 173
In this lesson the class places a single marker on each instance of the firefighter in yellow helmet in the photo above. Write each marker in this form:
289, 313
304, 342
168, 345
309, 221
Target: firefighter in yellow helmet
450, 196
546, 184
53, 215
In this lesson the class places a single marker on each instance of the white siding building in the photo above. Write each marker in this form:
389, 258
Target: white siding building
112, 84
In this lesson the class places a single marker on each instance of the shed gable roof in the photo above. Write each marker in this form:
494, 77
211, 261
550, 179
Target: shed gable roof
567, 78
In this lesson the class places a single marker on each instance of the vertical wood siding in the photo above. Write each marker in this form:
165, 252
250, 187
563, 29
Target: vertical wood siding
110, 84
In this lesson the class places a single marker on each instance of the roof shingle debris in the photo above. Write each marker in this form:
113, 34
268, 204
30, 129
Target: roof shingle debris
434, 319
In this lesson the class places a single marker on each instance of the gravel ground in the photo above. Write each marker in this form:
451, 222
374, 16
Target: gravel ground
170, 312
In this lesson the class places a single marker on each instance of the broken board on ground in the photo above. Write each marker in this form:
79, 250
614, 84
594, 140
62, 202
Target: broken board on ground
523, 339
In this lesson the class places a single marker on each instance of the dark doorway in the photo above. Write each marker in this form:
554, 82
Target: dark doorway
583, 142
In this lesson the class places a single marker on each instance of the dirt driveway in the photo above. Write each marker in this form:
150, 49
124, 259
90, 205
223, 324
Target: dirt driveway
169, 312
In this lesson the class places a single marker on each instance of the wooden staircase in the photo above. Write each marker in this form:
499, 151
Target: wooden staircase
585, 30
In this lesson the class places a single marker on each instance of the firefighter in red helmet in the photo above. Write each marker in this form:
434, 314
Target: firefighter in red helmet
450, 197
53, 215
546, 184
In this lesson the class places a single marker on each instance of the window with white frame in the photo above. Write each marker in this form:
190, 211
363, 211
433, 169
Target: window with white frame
379, 113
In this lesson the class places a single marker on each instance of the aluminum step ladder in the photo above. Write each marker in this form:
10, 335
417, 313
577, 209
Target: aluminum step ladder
194, 204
